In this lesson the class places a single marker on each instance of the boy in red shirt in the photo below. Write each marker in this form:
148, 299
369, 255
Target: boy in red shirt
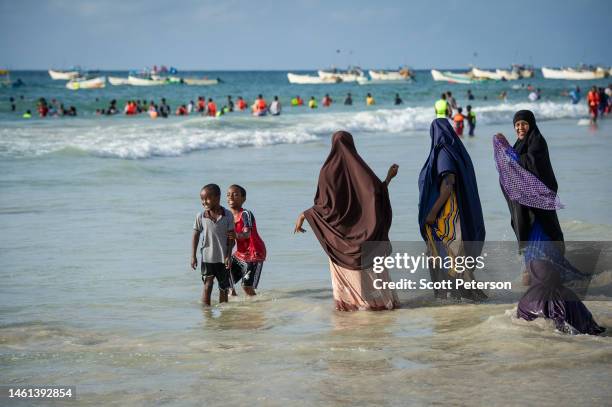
250, 253
458, 122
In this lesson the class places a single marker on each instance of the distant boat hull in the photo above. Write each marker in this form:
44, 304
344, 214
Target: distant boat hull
200, 82
135, 81
571, 74
118, 81
94, 83
451, 77
395, 76
343, 76
63, 75
507, 75
310, 80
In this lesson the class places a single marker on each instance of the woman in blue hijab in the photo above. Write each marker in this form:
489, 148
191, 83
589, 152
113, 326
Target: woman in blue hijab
450, 214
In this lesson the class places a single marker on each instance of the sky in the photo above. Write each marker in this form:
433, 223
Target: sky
302, 34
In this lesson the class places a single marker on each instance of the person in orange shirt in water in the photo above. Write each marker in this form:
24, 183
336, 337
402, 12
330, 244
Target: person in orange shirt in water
212, 108
241, 104
458, 121
201, 106
259, 106
593, 102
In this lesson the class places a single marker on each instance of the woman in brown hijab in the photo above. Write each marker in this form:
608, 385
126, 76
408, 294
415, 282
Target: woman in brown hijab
351, 207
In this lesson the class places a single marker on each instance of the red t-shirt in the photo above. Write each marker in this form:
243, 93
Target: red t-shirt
593, 98
212, 109
251, 249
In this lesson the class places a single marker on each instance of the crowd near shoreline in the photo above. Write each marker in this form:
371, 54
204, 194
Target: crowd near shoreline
598, 100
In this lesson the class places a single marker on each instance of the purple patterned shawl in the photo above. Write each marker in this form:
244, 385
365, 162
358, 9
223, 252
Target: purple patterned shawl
519, 184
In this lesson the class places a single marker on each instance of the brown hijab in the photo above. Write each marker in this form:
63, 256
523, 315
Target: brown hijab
351, 206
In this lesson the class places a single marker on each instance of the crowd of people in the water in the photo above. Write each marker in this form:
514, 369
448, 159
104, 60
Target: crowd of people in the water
53, 108
599, 101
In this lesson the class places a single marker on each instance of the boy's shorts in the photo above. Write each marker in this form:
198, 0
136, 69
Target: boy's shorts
249, 272
218, 271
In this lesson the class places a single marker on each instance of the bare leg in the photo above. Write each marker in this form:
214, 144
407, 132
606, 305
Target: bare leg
209, 282
250, 291
222, 295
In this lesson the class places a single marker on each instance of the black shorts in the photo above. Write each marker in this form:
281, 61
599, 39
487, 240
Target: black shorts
218, 271
249, 272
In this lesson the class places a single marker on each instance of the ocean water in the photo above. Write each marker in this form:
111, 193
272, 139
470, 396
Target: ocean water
96, 216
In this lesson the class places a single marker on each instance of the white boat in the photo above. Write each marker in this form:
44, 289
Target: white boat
136, 81
483, 74
401, 75
93, 83
200, 82
507, 75
351, 75
311, 80
63, 75
451, 77
572, 74
523, 70
169, 79
366, 81
118, 81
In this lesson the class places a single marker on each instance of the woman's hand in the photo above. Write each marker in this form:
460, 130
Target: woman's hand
391, 173
298, 224
431, 218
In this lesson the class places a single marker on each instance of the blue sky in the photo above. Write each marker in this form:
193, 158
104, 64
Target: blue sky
227, 34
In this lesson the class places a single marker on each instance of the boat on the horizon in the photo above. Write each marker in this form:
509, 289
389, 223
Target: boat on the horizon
166, 78
507, 75
573, 74
401, 75
524, 71
84, 83
137, 81
64, 75
200, 81
115, 81
350, 75
447, 76
311, 80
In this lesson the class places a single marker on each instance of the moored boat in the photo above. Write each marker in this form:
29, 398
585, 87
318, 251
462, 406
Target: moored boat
572, 74
484, 74
115, 81
382, 75
136, 81
311, 80
507, 75
451, 77
64, 75
351, 75
200, 82
93, 83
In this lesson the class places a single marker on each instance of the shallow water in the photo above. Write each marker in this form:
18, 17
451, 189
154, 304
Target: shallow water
97, 291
